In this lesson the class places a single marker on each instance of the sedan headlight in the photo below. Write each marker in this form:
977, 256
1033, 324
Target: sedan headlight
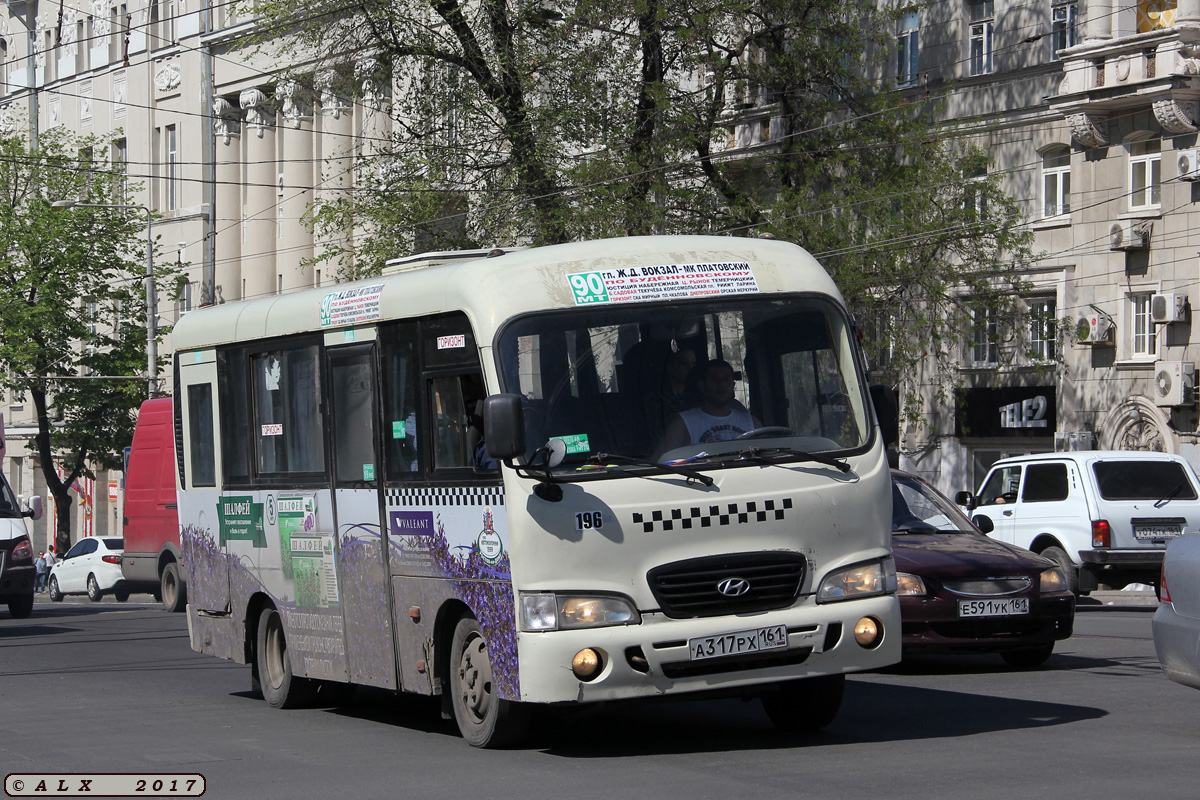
861, 580
909, 584
551, 612
1053, 580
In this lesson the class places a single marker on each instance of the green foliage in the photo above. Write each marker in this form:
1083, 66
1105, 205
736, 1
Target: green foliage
72, 303
516, 123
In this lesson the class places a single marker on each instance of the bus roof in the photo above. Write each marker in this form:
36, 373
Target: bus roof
493, 289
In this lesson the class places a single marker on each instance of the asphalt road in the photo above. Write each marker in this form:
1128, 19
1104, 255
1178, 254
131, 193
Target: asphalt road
113, 687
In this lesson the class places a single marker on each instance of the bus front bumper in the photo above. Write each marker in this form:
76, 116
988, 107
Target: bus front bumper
654, 658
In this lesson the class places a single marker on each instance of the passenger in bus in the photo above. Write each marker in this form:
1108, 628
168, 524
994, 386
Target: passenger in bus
719, 418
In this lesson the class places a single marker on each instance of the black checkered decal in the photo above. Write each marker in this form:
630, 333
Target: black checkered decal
446, 496
706, 516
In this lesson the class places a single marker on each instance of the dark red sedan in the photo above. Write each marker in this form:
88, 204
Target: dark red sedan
962, 591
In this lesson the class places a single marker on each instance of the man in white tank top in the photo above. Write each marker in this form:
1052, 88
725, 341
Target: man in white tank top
717, 419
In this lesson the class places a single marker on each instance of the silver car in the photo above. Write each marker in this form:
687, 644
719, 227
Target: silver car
1177, 621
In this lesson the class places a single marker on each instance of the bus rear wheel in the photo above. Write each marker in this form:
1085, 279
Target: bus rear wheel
806, 705
280, 688
484, 719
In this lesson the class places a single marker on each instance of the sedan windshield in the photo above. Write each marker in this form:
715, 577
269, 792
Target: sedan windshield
917, 508
713, 384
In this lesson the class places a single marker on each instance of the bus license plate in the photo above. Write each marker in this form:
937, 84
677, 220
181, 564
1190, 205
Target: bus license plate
1009, 607
732, 644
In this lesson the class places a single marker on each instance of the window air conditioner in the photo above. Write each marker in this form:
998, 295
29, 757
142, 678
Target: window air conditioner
1094, 328
1174, 383
1129, 235
1168, 307
1189, 165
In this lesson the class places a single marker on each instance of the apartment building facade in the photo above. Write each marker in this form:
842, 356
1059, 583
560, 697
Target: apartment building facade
1089, 113
229, 156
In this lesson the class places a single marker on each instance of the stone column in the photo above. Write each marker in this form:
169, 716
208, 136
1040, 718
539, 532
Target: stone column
260, 232
227, 125
1100, 20
297, 168
333, 147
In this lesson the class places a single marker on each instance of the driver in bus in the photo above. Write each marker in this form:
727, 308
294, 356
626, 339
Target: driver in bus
718, 419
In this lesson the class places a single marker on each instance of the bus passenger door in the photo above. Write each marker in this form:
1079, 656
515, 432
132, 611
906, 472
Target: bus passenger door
361, 541
201, 540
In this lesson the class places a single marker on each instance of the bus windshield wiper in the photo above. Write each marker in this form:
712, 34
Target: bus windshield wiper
770, 455
666, 469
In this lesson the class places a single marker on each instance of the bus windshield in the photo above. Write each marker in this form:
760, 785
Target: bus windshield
706, 383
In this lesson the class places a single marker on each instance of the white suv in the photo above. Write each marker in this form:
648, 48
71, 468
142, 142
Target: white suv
1105, 515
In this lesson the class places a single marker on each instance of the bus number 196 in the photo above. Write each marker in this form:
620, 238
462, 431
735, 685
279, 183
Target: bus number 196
589, 520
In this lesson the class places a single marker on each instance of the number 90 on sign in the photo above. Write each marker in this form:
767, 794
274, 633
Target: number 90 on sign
588, 287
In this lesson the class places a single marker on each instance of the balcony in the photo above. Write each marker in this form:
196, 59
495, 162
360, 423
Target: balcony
1159, 69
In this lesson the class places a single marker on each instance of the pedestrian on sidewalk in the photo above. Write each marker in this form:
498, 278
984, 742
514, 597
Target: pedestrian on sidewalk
39, 563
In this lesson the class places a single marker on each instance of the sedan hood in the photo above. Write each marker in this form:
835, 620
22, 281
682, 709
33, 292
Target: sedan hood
962, 554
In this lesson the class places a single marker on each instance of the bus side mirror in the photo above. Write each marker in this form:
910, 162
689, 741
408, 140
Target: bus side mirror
887, 411
504, 426
966, 500
35, 508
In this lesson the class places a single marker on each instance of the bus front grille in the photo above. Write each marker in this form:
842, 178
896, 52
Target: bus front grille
728, 584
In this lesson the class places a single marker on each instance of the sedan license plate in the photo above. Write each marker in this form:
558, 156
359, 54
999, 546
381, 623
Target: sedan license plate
1157, 531
993, 608
732, 644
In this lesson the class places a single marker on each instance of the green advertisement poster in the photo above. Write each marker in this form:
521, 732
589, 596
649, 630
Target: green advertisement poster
314, 565
241, 519
296, 516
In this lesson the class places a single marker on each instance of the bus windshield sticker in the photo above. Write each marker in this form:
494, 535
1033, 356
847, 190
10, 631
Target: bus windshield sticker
663, 282
398, 431
273, 429
351, 306
368, 472
451, 342
576, 443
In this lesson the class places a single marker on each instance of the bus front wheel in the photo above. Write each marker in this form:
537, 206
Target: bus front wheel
805, 705
484, 719
280, 688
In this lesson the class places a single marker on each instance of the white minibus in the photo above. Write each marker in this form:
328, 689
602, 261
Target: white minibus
599, 471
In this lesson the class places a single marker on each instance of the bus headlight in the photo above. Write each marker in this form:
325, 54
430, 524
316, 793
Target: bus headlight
551, 612
858, 581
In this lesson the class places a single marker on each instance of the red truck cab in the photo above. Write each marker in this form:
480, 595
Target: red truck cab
151, 562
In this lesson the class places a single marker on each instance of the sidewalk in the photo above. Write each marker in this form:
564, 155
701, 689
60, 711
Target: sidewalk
1136, 596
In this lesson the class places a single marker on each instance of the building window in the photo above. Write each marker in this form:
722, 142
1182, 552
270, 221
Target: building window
1062, 26
172, 166
984, 337
1145, 173
983, 21
3, 66
1043, 336
1142, 325
120, 166
908, 48
1056, 181
974, 192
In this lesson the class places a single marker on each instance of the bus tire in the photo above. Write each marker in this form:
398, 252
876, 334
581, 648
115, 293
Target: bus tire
806, 705
484, 719
280, 688
172, 589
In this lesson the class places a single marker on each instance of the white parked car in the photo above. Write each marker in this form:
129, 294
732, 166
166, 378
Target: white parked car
92, 566
1104, 516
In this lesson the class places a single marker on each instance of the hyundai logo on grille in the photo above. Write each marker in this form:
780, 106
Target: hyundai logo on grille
733, 587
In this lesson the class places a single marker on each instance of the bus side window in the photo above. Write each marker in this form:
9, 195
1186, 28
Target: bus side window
200, 432
288, 425
232, 380
401, 424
